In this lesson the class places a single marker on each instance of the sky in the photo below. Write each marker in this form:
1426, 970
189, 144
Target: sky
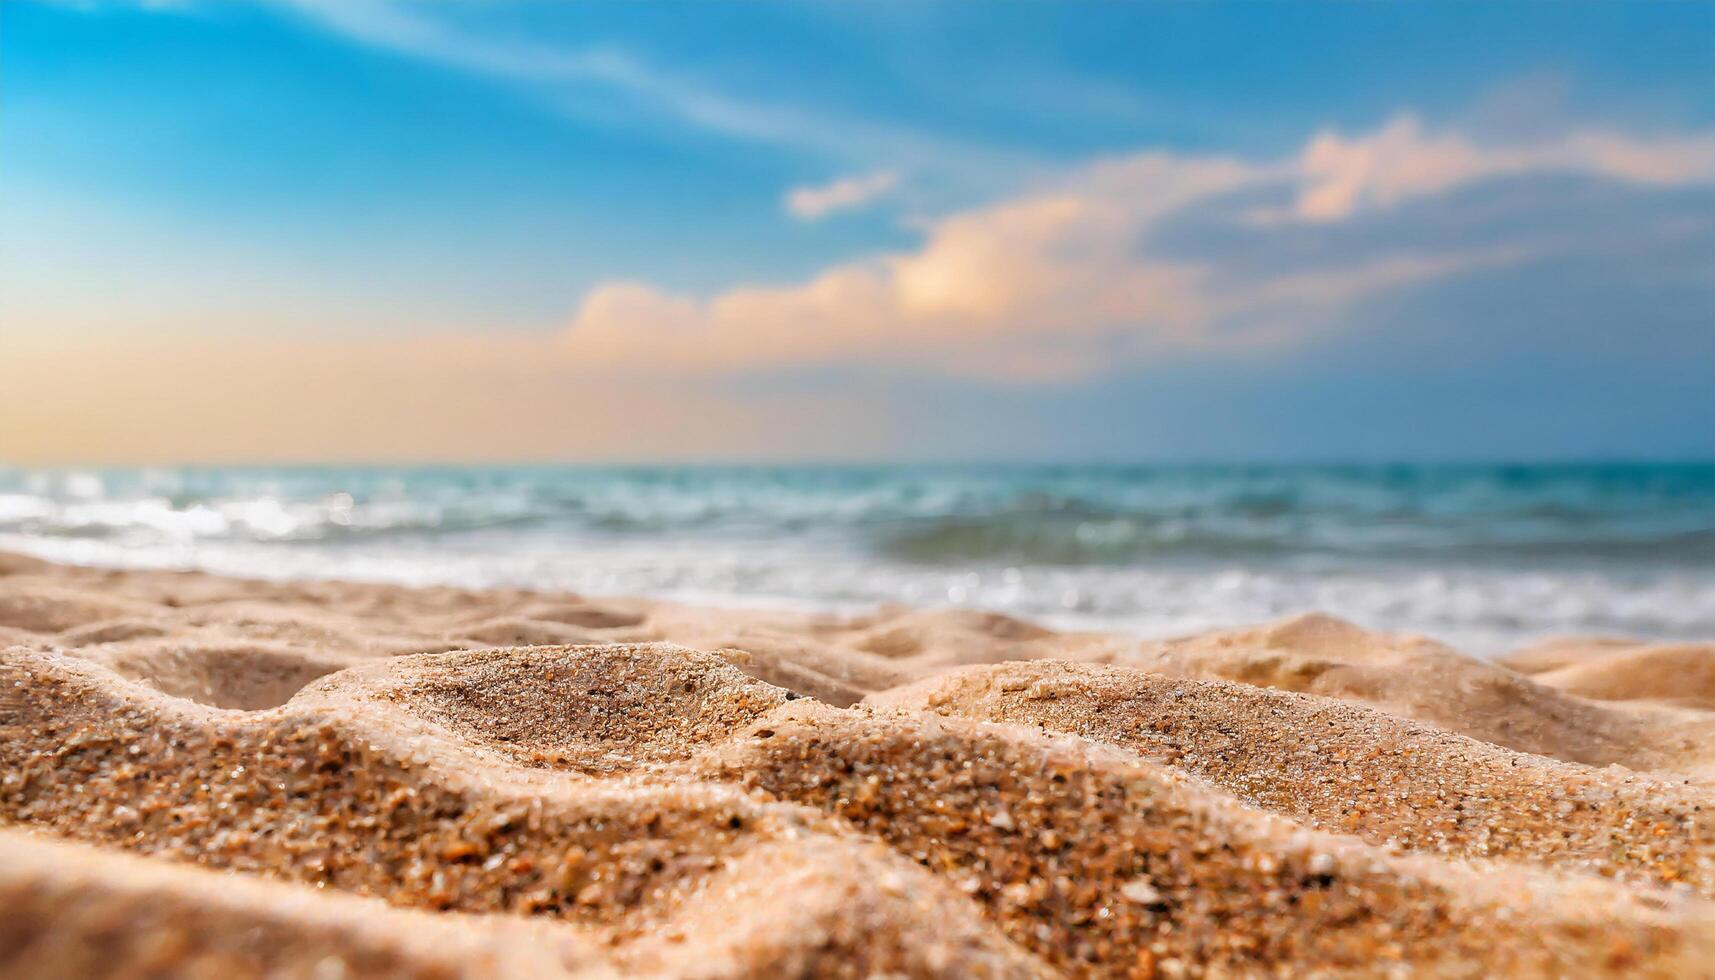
452, 230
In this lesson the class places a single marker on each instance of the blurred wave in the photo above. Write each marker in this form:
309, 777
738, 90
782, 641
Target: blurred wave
1490, 554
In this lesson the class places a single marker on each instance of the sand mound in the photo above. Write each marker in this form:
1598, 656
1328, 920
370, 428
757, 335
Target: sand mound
643, 807
1681, 675
74, 911
1562, 651
598, 710
49, 610
516, 631
955, 632
15, 564
589, 615
347, 792
1004, 847
1351, 769
809, 665
11, 636
244, 675
115, 631
1418, 678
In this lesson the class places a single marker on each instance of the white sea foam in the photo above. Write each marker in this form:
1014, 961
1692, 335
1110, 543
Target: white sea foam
1484, 558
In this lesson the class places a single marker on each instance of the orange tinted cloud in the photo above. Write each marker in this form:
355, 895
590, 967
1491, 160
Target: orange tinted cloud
1061, 283
1341, 175
1001, 291
844, 194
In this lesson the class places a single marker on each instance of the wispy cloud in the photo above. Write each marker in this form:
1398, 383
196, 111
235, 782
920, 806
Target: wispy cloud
1069, 281
556, 71
844, 194
1404, 159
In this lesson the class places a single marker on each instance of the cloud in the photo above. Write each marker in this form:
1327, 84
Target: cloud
1073, 280
844, 194
561, 73
1402, 160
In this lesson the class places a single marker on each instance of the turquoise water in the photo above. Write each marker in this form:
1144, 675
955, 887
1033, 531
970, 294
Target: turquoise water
1486, 556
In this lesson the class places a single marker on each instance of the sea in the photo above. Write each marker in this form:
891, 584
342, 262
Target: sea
1486, 557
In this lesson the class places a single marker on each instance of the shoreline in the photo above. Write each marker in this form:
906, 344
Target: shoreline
1277, 594
1485, 558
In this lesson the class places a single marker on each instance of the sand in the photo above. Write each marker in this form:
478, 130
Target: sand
214, 777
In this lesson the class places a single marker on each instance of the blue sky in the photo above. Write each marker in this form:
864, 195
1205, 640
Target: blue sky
754, 230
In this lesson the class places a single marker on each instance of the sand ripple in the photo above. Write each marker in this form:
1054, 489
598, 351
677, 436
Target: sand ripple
662, 790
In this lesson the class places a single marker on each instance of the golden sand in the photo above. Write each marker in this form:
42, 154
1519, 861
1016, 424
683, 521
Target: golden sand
214, 777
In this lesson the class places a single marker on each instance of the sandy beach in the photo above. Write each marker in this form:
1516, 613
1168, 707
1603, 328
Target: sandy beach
208, 776
932, 490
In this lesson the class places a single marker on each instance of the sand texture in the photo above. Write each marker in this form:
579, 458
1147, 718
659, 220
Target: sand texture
211, 777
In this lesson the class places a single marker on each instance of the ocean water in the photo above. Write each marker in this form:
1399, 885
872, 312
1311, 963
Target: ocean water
1485, 557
